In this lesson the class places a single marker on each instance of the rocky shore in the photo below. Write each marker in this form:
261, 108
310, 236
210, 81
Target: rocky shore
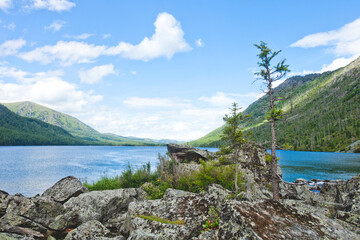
68, 210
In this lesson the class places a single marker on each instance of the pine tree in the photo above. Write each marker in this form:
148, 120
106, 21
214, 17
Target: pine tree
269, 74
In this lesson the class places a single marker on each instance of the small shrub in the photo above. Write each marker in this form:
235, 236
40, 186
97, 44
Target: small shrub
213, 222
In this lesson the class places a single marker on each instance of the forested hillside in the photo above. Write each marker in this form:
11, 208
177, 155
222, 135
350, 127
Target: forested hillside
74, 126
321, 112
17, 130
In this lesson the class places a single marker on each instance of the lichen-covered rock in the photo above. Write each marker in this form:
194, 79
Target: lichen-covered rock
65, 189
186, 154
10, 236
88, 231
140, 234
191, 208
273, 220
103, 205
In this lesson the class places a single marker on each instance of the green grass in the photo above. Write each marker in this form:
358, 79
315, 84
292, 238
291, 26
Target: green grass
161, 220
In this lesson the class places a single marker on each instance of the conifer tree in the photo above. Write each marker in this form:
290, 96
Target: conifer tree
270, 74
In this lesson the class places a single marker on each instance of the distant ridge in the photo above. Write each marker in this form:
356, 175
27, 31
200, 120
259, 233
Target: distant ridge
74, 126
322, 112
17, 130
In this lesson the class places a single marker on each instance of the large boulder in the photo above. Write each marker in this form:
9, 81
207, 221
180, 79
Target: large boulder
107, 206
191, 209
65, 189
88, 231
273, 220
186, 154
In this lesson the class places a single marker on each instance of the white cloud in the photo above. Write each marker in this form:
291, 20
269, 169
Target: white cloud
219, 99
11, 47
343, 42
105, 36
199, 42
81, 36
133, 72
165, 42
52, 5
55, 26
46, 88
337, 63
5, 4
96, 74
66, 52
10, 26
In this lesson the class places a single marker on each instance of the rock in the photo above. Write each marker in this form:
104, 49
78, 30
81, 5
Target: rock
3, 192
186, 154
140, 234
209, 235
273, 220
301, 181
103, 205
65, 189
10, 236
88, 231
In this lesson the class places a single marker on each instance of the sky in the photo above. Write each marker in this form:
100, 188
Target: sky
162, 69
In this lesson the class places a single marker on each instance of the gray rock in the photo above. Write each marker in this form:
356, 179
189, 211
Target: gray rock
10, 236
186, 154
273, 220
103, 205
140, 234
88, 231
65, 189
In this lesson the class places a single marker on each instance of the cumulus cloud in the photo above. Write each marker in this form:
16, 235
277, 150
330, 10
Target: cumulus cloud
47, 88
5, 5
96, 74
337, 63
11, 47
66, 52
344, 41
55, 26
167, 40
52, 5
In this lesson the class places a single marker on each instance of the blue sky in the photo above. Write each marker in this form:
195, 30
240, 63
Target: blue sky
162, 69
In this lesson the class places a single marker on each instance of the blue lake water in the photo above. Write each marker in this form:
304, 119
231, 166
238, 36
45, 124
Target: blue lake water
31, 170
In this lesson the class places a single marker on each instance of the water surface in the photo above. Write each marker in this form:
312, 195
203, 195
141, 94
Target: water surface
32, 169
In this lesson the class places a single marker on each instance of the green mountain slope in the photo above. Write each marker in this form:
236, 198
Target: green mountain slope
322, 112
17, 130
74, 126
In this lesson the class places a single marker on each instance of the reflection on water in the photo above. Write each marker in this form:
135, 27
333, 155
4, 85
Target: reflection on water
31, 170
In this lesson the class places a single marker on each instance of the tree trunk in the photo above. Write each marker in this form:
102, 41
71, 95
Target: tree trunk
274, 176
236, 170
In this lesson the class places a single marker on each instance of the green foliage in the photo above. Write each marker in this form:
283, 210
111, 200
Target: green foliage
211, 172
213, 222
76, 128
287, 146
275, 114
17, 130
105, 183
322, 112
161, 220
232, 135
268, 158
128, 179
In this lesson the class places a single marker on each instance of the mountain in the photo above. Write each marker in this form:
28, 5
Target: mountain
17, 130
74, 126
321, 112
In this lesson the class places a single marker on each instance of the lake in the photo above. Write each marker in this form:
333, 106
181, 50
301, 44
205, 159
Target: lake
32, 169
